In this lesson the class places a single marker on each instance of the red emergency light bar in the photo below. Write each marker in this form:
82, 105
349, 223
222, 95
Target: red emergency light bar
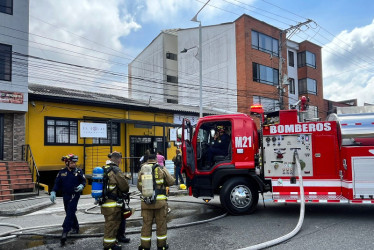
256, 109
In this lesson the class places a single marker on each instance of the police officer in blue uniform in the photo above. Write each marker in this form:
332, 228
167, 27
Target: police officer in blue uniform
71, 181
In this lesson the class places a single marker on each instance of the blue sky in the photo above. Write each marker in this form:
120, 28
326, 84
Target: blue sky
108, 34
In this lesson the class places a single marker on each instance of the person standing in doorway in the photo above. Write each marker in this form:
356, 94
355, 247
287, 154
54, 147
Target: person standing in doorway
160, 159
178, 166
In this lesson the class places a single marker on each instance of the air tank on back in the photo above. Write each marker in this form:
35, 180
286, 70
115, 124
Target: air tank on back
97, 182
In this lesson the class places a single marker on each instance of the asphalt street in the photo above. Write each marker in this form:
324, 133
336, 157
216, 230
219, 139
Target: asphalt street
326, 226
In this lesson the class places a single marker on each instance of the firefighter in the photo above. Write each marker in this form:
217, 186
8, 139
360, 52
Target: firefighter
220, 145
71, 181
112, 206
156, 210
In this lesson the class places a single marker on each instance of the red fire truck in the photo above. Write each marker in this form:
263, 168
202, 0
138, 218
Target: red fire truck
336, 157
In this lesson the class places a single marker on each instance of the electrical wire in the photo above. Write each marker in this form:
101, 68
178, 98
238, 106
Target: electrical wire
181, 92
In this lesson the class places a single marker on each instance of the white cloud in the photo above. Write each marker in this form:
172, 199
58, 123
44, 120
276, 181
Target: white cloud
164, 11
85, 27
168, 11
347, 65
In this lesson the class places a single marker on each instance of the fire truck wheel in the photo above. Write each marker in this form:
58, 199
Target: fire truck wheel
239, 196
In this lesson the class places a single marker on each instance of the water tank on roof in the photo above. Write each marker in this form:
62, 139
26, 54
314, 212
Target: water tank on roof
355, 128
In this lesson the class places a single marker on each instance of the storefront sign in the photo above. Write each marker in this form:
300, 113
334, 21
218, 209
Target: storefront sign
93, 130
178, 119
11, 97
173, 134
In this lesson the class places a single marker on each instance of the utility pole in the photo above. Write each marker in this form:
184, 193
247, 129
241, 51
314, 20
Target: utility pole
194, 19
280, 79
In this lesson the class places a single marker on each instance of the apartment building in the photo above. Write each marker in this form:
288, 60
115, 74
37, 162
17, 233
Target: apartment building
14, 28
244, 62
263, 79
153, 74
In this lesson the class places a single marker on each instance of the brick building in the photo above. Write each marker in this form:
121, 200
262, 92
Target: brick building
258, 76
241, 67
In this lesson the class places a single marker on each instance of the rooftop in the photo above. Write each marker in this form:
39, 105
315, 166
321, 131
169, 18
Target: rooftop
74, 96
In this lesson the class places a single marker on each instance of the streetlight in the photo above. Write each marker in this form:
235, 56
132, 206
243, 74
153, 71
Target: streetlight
194, 19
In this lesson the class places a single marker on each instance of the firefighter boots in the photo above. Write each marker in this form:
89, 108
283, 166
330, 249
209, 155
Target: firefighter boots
163, 248
143, 248
63, 238
123, 239
115, 247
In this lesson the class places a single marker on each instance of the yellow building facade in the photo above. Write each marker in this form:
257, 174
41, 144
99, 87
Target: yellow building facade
53, 130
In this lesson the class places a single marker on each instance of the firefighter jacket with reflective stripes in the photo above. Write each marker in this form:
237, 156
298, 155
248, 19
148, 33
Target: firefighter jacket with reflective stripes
163, 179
117, 185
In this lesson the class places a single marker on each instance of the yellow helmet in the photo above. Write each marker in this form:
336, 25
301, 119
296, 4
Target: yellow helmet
182, 186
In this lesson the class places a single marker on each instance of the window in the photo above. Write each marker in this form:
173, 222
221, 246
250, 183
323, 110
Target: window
265, 43
172, 101
312, 112
268, 104
173, 79
308, 86
265, 74
171, 56
306, 58
61, 131
5, 62
6, 6
115, 135
291, 88
291, 60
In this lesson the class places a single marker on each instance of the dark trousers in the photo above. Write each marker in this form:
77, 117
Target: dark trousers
122, 228
178, 174
70, 205
212, 151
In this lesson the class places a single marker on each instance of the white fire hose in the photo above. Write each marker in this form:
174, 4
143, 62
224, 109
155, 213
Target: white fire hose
301, 218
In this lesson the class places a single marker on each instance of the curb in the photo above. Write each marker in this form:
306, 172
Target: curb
15, 210
23, 206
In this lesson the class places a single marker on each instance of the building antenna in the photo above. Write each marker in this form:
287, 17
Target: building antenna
293, 28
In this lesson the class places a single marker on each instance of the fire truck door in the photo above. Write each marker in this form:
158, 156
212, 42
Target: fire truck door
363, 177
325, 161
324, 157
188, 153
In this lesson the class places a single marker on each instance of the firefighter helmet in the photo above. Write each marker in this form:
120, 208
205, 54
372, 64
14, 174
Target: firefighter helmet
115, 154
70, 157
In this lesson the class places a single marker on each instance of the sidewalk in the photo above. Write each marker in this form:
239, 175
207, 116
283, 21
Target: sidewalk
24, 206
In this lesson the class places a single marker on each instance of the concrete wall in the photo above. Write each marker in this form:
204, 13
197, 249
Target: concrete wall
147, 72
14, 31
219, 67
171, 67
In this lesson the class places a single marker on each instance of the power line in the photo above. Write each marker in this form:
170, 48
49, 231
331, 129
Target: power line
55, 79
142, 79
102, 59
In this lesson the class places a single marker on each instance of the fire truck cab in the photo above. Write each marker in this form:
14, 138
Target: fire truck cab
336, 158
